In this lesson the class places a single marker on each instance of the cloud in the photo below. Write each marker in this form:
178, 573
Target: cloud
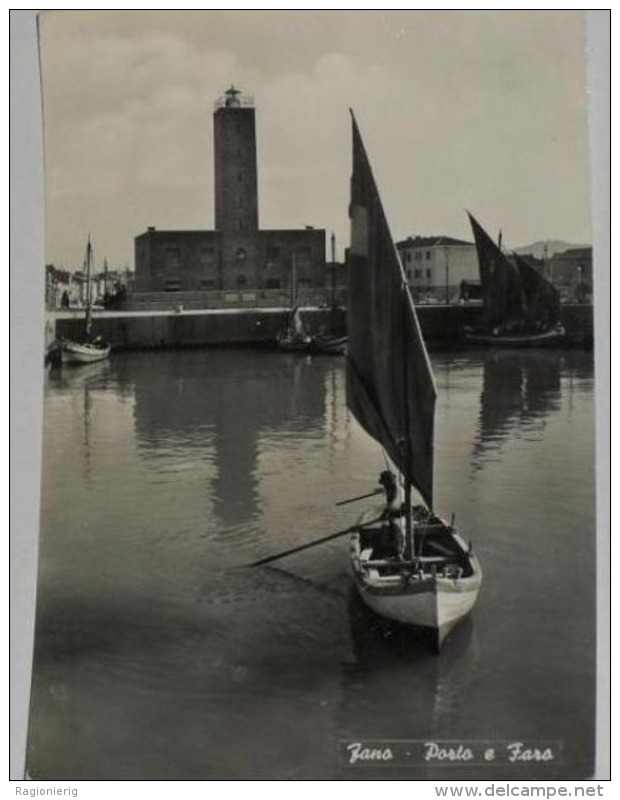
472, 109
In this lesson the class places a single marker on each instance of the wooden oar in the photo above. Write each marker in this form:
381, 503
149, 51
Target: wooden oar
301, 547
359, 497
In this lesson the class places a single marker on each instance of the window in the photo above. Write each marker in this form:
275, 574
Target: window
428, 273
207, 256
272, 283
428, 255
241, 280
418, 256
207, 283
409, 256
417, 273
172, 286
173, 257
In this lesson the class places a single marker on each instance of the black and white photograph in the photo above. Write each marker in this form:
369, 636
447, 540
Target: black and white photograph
318, 494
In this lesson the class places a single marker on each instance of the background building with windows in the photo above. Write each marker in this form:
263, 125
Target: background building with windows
436, 266
237, 255
571, 273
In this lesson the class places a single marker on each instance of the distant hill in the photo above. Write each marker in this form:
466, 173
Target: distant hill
553, 246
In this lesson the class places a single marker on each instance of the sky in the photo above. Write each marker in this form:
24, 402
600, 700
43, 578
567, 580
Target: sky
459, 110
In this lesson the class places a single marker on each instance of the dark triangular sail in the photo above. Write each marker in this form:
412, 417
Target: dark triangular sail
390, 386
501, 285
541, 300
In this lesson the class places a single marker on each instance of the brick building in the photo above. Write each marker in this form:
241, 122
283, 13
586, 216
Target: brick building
237, 255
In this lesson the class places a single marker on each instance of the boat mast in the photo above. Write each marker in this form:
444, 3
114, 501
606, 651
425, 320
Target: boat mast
406, 441
408, 550
333, 275
293, 280
89, 253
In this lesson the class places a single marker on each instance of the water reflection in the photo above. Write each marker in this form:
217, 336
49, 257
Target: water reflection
82, 383
157, 657
222, 406
520, 389
392, 661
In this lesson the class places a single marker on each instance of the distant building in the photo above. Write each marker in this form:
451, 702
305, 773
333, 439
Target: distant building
436, 266
59, 284
571, 274
66, 289
237, 255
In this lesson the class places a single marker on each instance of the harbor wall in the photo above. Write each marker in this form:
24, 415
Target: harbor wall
150, 330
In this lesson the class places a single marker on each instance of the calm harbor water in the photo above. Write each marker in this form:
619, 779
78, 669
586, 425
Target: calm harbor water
158, 656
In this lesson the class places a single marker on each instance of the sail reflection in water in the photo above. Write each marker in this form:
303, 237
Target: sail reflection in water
519, 390
158, 656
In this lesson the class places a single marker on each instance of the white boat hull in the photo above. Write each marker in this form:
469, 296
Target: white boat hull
426, 599
83, 353
439, 604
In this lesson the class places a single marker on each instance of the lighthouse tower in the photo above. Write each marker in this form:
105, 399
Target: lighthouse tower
236, 257
236, 193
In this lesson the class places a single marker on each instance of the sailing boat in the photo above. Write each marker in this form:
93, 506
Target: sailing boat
334, 342
409, 566
521, 307
90, 348
294, 336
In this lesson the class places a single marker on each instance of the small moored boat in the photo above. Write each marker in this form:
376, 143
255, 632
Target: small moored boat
90, 348
499, 338
295, 336
85, 352
329, 344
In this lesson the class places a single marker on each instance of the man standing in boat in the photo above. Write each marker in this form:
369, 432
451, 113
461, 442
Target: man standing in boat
394, 511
